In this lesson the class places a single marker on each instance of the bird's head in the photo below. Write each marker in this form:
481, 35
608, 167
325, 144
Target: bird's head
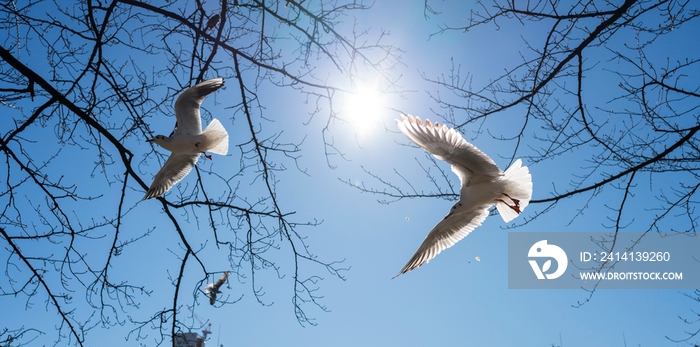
455, 209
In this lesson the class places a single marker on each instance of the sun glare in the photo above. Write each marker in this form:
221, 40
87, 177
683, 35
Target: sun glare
363, 109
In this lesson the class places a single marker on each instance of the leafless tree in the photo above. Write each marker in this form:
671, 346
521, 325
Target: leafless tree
81, 87
611, 85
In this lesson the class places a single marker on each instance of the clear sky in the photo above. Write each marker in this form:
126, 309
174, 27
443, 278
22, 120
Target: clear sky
455, 300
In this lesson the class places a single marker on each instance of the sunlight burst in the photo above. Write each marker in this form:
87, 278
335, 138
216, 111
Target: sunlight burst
363, 108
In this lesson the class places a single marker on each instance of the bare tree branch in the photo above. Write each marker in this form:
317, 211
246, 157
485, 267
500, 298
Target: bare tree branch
75, 165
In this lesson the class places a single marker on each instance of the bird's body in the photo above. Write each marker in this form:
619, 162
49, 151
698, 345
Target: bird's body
212, 289
187, 140
196, 144
483, 185
211, 23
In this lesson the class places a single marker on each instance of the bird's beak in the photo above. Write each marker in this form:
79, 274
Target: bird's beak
149, 140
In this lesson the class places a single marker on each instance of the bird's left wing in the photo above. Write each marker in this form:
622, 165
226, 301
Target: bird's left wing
173, 171
445, 234
187, 105
468, 162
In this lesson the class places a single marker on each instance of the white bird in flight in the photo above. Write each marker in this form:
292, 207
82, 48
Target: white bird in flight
483, 185
213, 288
187, 140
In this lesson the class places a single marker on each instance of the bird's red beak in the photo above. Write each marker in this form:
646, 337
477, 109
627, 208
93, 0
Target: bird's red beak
149, 140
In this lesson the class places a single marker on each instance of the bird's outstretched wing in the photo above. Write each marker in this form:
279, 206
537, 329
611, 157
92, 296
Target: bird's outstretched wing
468, 162
445, 234
187, 105
220, 282
173, 171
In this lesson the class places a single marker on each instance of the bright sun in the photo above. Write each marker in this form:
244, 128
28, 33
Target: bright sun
363, 108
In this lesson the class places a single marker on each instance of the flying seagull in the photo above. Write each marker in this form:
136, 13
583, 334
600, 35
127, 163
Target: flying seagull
188, 141
483, 185
213, 288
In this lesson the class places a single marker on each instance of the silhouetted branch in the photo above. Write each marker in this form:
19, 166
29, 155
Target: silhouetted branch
75, 164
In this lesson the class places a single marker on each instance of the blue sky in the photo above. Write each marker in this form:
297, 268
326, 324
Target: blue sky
453, 300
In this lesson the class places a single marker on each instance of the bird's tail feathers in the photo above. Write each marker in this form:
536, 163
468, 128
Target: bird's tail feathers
518, 186
216, 136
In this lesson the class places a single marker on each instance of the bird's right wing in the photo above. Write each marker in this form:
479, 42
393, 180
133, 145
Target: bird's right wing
173, 171
220, 282
187, 105
468, 162
444, 235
